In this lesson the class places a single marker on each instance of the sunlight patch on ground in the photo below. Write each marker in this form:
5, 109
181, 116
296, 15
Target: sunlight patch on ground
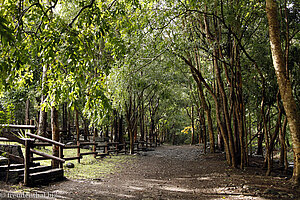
224, 193
136, 188
123, 195
155, 180
204, 178
96, 183
109, 194
176, 189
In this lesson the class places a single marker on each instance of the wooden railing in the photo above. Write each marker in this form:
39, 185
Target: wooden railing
29, 144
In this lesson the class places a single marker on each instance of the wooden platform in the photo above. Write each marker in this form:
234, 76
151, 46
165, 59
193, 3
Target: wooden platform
38, 175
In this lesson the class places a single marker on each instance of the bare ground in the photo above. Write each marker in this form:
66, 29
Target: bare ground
169, 172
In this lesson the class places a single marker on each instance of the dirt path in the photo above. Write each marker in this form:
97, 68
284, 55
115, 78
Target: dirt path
169, 172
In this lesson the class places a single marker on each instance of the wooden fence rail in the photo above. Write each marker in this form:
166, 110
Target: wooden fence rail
29, 146
29, 143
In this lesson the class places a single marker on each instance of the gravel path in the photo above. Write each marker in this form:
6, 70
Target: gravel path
169, 172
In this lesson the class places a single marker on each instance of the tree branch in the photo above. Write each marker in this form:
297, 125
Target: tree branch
81, 10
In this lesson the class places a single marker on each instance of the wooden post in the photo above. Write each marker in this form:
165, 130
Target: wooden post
94, 141
77, 134
61, 155
27, 162
31, 131
106, 147
32, 124
7, 171
27, 108
78, 151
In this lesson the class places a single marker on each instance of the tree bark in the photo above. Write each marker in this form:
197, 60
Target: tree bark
64, 119
207, 111
289, 103
129, 116
42, 129
77, 133
193, 126
27, 109
55, 136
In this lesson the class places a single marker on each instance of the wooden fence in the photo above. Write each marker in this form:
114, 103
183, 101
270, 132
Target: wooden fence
99, 149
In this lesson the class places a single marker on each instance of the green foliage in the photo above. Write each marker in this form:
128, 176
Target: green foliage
6, 34
6, 113
100, 56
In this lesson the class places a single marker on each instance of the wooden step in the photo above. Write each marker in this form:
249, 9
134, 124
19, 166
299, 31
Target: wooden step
3, 160
11, 166
16, 166
31, 169
46, 177
12, 177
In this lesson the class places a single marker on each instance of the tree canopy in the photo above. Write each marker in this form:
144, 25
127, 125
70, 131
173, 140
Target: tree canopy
166, 66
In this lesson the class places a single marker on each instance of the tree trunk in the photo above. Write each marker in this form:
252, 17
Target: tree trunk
27, 110
86, 129
207, 111
289, 103
129, 116
77, 133
142, 121
218, 109
260, 138
42, 129
55, 136
193, 126
64, 119
116, 131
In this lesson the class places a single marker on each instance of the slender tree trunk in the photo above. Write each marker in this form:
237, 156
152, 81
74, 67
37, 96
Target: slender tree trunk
226, 114
207, 111
129, 116
142, 121
116, 131
218, 109
193, 125
283, 148
64, 119
289, 103
77, 133
55, 136
42, 129
205, 106
120, 129
260, 138
220, 141
27, 111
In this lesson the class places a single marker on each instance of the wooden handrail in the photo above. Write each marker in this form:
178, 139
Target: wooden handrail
39, 158
87, 143
46, 139
46, 155
71, 147
87, 153
17, 126
73, 158
13, 157
41, 144
4, 139
12, 137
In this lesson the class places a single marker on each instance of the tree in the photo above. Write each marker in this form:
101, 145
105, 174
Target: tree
289, 103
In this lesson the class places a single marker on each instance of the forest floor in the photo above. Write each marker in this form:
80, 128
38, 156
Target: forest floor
169, 172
